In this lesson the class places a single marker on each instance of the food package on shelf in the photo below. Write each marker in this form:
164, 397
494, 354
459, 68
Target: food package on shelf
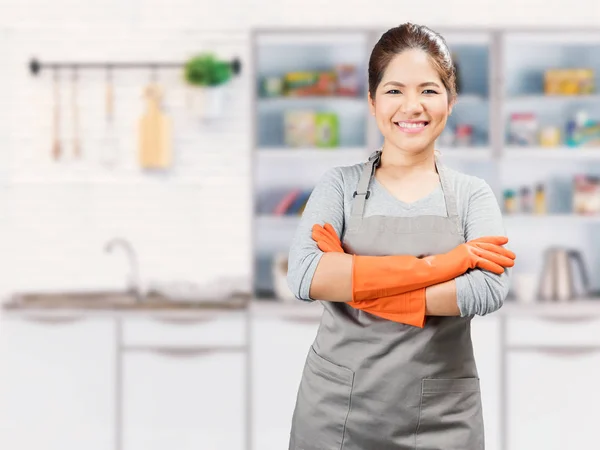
523, 129
569, 81
299, 128
586, 194
347, 80
326, 130
302, 84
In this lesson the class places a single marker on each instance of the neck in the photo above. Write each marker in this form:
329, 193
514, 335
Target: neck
396, 159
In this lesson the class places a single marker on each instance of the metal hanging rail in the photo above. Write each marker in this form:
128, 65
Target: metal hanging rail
36, 66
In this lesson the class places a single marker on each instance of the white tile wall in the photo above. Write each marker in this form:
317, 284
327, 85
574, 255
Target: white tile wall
196, 224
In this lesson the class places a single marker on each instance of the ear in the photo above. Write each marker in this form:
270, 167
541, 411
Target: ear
371, 104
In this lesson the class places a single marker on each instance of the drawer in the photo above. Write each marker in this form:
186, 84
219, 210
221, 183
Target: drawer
207, 330
558, 332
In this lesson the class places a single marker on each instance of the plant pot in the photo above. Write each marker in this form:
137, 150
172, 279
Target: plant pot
208, 102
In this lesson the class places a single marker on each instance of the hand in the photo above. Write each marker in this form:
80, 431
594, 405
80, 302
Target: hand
484, 253
326, 238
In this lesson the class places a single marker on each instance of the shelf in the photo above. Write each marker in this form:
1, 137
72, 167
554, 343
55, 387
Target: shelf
356, 153
571, 153
289, 102
570, 218
475, 153
555, 98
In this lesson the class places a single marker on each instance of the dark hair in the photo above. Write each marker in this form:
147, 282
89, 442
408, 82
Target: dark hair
410, 36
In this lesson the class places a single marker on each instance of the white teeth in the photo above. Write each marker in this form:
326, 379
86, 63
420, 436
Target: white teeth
411, 124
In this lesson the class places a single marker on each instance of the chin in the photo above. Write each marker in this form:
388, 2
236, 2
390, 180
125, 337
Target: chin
413, 146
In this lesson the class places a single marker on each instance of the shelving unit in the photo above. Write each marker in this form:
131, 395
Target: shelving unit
502, 73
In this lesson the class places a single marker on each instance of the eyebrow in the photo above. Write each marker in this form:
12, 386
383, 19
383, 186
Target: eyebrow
397, 83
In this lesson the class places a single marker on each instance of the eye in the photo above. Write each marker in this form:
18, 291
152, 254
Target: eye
393, 91
430, 91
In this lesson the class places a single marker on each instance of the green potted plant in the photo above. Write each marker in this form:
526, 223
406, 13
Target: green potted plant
207, 75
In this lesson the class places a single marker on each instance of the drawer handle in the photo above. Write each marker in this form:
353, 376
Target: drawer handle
186, 352
54, 319
183, 320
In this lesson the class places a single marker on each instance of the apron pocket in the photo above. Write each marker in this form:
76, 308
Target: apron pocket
322, 405
450, 416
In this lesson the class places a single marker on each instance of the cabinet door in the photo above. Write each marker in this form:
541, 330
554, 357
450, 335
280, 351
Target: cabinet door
279, 350
554, 402
485, 332
183, 399
56, 384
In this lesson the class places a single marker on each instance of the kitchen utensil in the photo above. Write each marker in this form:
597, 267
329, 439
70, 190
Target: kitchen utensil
75, 112
564, 275
279, 273
525, 287
109, 151
155, 151
56, 145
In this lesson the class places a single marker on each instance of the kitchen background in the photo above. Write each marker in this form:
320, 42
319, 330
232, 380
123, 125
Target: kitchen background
145, 220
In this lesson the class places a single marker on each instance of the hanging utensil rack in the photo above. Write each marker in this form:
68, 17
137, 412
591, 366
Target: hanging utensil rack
36, 66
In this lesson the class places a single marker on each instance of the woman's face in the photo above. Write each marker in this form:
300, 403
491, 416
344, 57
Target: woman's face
411, 104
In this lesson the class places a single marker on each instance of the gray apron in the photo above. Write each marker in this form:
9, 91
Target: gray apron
374, 384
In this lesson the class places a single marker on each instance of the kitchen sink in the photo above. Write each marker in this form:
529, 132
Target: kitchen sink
74, 299
122, 300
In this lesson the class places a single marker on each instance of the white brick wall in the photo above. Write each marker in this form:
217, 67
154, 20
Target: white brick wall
194, 225
197, 225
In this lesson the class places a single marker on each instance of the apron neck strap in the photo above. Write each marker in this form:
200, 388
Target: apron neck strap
362, 192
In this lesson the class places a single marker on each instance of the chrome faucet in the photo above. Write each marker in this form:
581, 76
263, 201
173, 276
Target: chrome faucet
134, 278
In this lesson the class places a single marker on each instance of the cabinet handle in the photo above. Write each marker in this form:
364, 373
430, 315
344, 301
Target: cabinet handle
54, 319
187, 352
579, 350
183, 320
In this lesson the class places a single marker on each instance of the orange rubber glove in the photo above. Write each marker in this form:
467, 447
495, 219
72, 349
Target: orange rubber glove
407, 308
406, 302
382, 276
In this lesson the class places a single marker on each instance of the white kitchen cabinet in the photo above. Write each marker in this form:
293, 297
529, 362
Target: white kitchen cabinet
56, 383
280, 346
554, 402
184, 399
486, 346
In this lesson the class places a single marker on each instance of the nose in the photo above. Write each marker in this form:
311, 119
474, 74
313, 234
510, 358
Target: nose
411, 104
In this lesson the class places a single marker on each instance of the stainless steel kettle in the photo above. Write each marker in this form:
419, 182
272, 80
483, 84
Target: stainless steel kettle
564, 276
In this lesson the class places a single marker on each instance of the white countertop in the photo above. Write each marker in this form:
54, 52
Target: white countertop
297, 312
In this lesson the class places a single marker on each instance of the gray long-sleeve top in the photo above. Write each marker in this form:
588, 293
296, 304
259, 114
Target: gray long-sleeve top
479, 292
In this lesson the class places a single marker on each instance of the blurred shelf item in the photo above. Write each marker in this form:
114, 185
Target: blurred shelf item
542, 153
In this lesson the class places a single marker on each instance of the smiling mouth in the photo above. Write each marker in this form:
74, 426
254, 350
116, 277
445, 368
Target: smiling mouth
412, 127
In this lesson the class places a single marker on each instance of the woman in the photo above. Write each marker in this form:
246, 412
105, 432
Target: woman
392, 365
